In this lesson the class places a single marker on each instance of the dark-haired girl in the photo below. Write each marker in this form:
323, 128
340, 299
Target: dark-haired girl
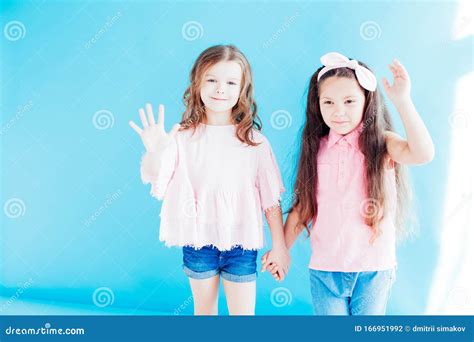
350, 187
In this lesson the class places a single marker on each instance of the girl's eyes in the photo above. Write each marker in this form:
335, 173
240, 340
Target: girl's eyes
214, 81
348, 101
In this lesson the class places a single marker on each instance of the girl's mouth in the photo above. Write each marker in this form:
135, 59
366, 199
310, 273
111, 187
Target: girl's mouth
216, 99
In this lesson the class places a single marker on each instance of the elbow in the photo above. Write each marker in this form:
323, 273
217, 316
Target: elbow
430, 154
427, 156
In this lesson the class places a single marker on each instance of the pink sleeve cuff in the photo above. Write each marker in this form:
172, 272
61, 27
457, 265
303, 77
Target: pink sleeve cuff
269, 179
159, 178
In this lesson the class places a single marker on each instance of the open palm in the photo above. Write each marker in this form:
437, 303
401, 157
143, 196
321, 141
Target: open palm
401, 87
153, 134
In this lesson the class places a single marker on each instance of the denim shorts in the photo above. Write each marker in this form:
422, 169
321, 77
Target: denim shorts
237, 265
351, 293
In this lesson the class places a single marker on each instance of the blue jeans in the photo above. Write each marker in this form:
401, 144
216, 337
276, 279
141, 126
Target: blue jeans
237, 265
351, 293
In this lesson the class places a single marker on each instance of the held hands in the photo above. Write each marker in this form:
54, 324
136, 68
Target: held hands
277, 262
153, 134
399, 91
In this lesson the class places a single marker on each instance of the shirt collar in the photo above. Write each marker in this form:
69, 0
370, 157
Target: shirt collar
352, 137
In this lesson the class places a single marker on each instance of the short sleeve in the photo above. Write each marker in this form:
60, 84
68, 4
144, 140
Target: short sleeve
269, 180
159, 177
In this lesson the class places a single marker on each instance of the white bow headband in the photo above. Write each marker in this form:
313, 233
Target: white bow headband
334, 60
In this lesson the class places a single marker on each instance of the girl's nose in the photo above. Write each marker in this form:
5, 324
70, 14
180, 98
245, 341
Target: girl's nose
220, 87
339, 111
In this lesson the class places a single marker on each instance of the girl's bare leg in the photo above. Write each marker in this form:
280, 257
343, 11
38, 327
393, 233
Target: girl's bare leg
240, 297
205, 294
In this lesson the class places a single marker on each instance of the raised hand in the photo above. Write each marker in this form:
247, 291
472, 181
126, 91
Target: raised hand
153, 135
401, 87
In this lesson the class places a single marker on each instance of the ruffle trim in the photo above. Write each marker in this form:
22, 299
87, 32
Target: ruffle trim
277, 205
219, 247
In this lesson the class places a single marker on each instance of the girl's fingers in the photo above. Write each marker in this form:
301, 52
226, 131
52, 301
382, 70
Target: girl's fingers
270, 266
161, 115
398, 64
397, 69
403, 71
281, 272
400, 70
149, 111
266, 263
393, 70
397, 72
135, 127
151, 118
143, 118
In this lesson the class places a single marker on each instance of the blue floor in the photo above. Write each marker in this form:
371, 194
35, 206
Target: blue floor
37, 307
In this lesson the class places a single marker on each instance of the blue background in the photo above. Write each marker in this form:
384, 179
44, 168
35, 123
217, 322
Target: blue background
63, 168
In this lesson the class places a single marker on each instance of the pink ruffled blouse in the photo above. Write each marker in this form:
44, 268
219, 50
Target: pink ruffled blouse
214, 188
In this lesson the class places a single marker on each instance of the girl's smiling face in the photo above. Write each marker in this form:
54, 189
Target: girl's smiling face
220, 86
341, 101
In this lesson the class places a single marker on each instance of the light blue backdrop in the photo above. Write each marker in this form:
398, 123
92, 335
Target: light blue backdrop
77, 220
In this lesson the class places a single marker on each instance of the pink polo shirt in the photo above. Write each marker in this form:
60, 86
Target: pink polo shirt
340, 238
214, 188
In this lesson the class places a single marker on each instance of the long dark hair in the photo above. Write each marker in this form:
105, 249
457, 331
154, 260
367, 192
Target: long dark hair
375, 121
